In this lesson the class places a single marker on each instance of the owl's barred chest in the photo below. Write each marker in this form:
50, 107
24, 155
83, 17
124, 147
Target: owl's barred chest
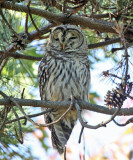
66, 78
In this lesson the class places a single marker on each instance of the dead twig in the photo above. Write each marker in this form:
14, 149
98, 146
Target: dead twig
102, 124
22, 94
26, 20
34, 24
65, 154
81, 132
124, 124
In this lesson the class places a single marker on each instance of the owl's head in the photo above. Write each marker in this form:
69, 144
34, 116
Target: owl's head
67, 38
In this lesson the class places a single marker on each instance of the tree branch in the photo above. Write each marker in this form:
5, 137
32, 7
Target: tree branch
102, 44
99, 25
65, 104
20, 56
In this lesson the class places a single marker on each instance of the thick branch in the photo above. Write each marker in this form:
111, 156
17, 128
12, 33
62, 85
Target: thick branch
99, 25
64, 104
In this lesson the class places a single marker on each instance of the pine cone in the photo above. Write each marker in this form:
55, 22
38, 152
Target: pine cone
114, 98
19, 43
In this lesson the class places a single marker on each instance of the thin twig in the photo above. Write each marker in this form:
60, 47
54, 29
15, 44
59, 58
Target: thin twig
124, 124
64, 6
65, 154
26, 20
3, 94
31, 116
22, 94
32, 19
5, 112
2, 57
3, 64
26, 24
81, 132
19, 125
116, 49
129, 96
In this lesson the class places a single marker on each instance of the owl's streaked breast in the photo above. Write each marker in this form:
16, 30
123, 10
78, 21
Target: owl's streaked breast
65, 78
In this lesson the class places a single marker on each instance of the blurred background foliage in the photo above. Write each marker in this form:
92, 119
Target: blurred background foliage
19, 74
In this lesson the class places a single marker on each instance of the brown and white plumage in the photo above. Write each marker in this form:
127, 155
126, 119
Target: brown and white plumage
64, 71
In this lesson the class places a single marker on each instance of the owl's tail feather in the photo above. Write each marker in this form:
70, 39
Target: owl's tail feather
60, 134
56, 143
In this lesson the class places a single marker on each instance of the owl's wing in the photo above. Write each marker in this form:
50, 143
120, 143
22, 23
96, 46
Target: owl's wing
43, 79
86, 77
42, 76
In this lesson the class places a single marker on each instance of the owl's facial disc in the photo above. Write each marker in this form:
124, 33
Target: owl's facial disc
66, 40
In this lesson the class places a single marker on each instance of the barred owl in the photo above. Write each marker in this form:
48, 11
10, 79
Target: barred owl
64, 71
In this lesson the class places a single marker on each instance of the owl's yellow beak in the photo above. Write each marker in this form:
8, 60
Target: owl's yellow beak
63, 46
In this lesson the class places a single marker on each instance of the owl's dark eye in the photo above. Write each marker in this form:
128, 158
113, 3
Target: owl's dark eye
72, 38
